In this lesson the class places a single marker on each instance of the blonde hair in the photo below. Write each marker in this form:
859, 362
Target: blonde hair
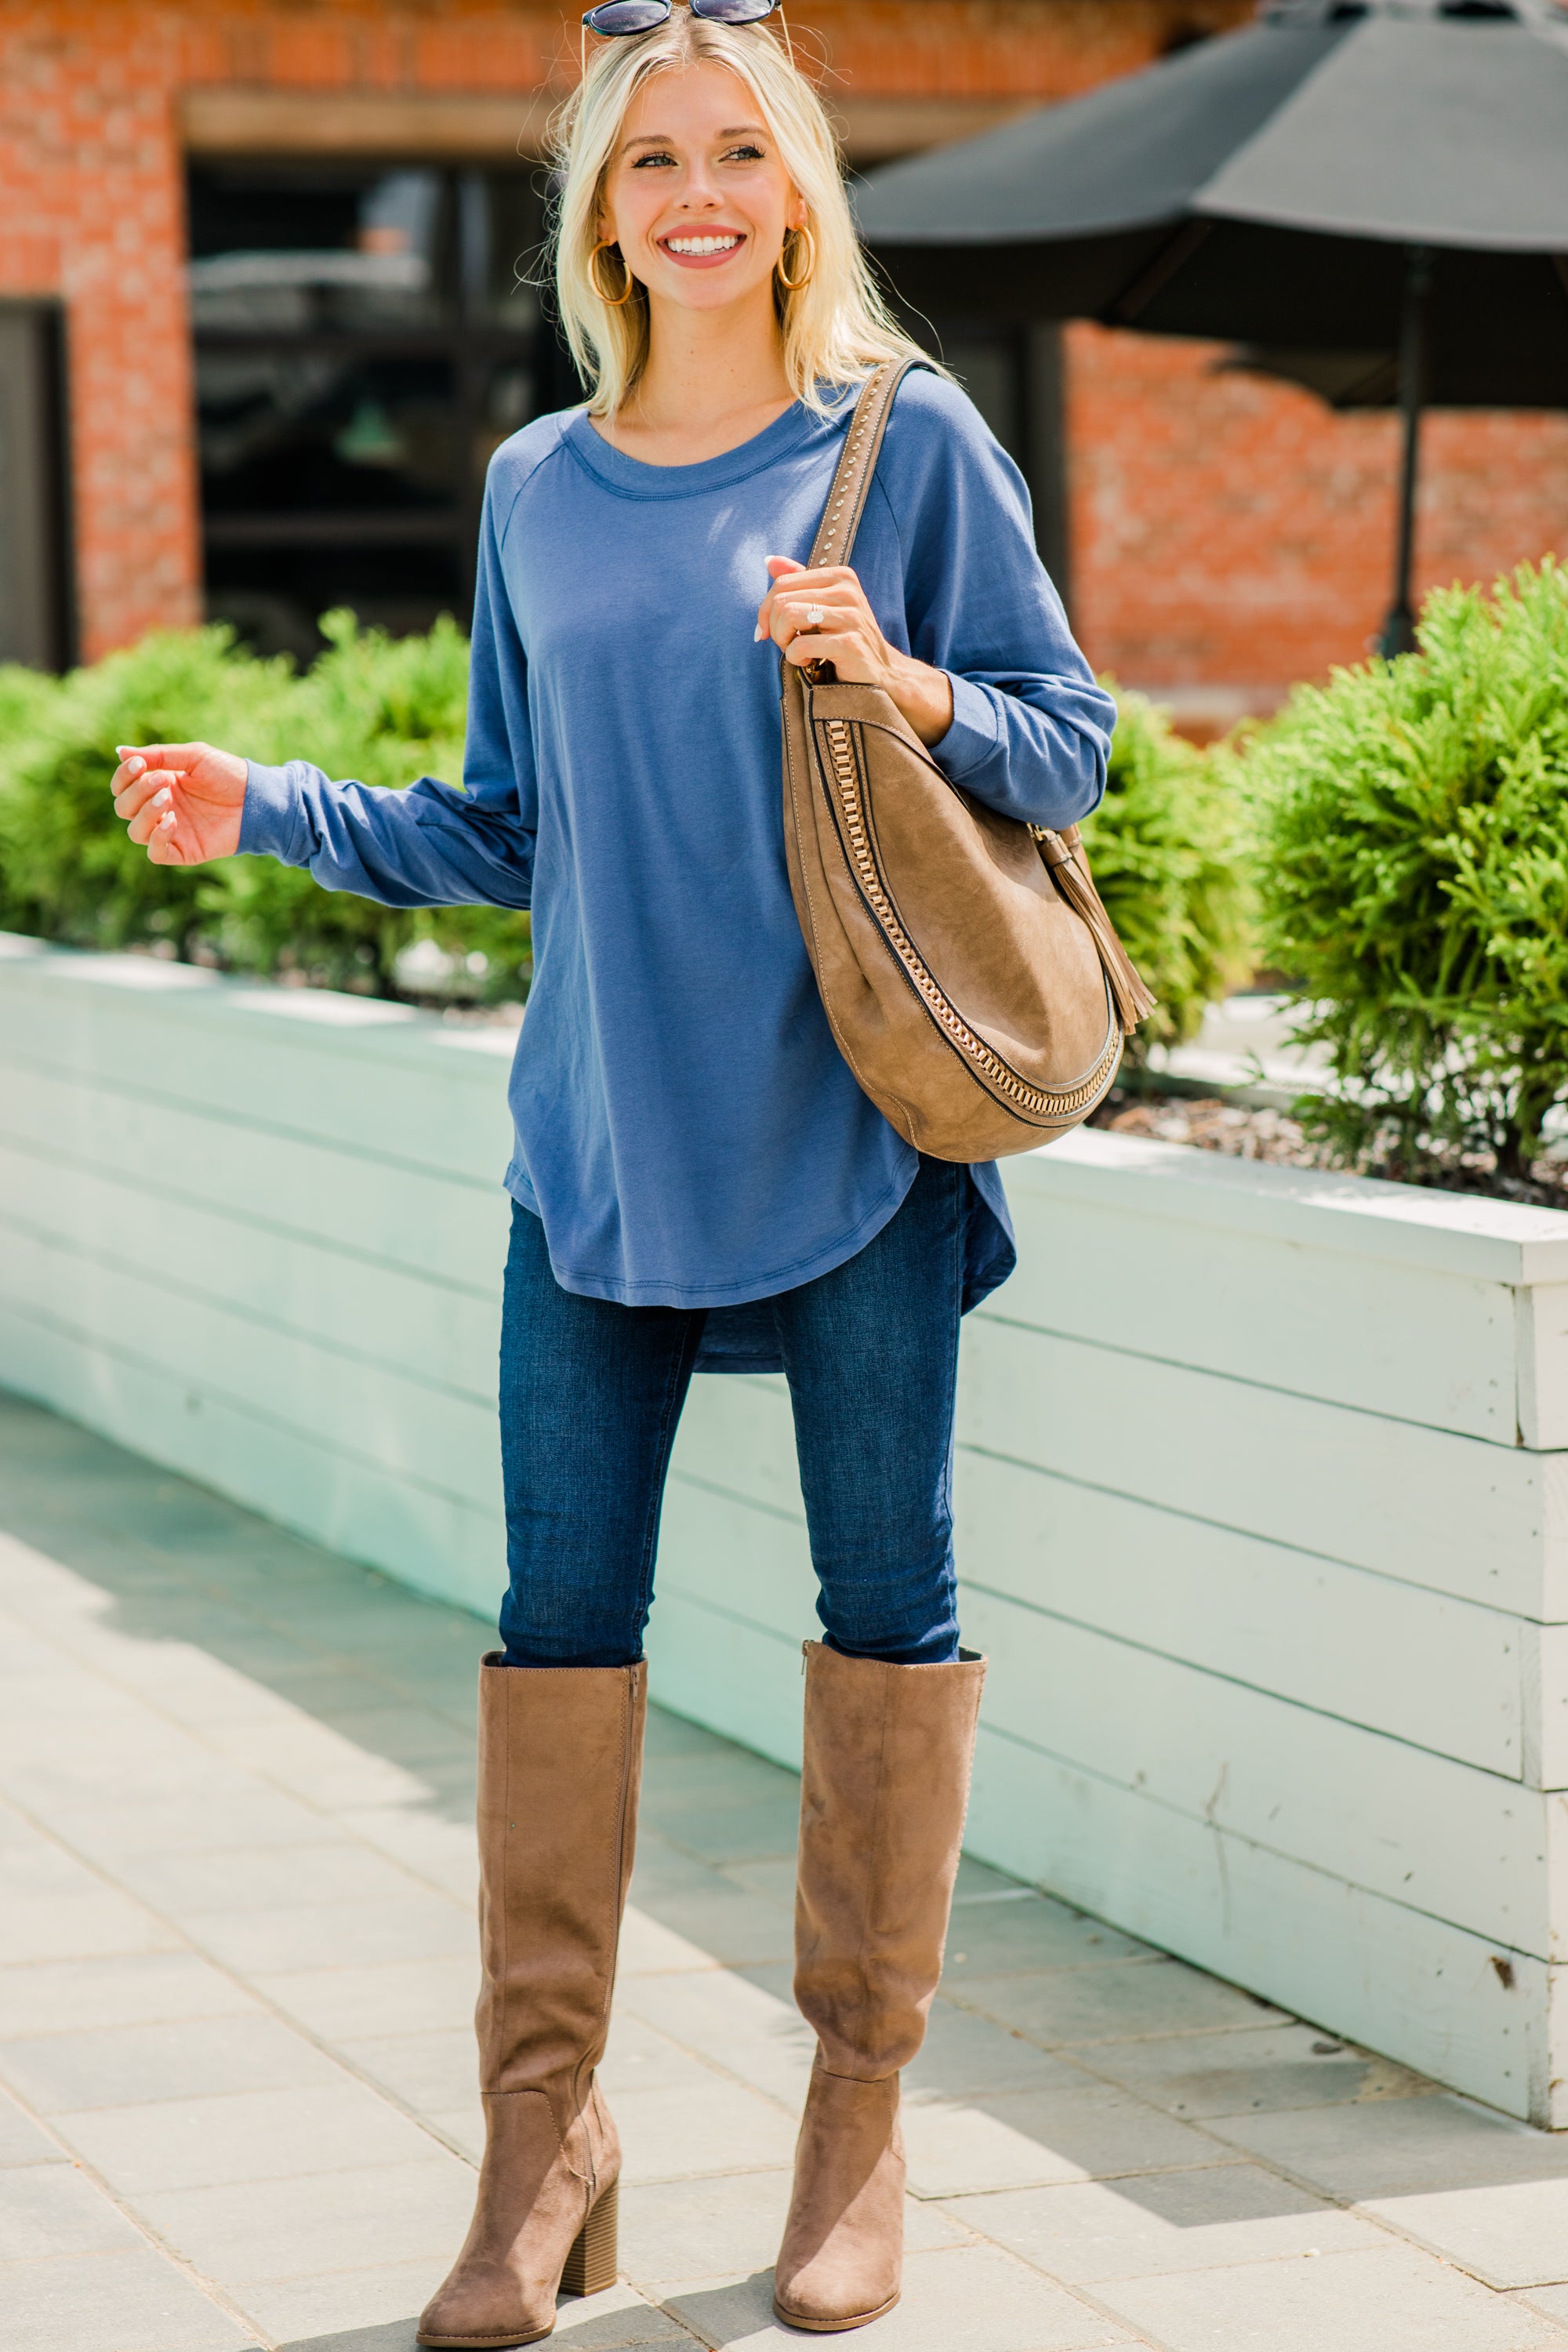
835, 328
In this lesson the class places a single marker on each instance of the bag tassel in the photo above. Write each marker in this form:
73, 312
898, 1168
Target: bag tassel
1068, 867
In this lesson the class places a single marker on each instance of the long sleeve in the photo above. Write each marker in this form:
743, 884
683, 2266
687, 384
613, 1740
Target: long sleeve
1031, 728
430, 845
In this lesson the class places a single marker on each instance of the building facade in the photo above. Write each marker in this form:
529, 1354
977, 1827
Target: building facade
260, 298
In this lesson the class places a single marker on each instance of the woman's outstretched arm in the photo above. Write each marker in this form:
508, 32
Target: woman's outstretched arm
431, 846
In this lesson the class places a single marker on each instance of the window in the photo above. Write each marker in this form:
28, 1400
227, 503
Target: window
365, 340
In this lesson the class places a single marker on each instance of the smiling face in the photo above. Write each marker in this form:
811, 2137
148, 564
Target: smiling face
696, 195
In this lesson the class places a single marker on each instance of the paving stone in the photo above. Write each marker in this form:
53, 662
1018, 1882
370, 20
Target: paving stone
275, 1747
1202, 2219
967, 2055
1513, 2235
250, 2135
1030, 2138
26, 1659
194, 1818
428, 2071
618, 2320
131, 1989
648, 1948
54, 2209
52, 1908
318, 2222
255, 1878
636, 2058
132, 2300
732, 2225
690, 1780
1018, 1933
198, 1690
22, 2141
978, 1879
730, 1924
664, 1868
1110, 2001
1398, 2146
350, 2311
372, 1929
376, 2311
702, 2127
443, 1853
393, 1997
1254, 2069
718, 1833
56, 2072
316, 1762
41, 1686
460, 2127
732, 2021
671, 1735
962, 2299
1389, 2298
407, 1732
769, 1874
59, 1778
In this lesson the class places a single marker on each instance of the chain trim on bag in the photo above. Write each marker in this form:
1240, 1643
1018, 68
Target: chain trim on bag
1045, 1103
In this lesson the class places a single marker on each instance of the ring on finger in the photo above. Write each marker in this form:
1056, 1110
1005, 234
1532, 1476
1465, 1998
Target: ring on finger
814, 616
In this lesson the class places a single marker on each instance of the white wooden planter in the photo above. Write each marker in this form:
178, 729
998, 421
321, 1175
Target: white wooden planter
1263, 1476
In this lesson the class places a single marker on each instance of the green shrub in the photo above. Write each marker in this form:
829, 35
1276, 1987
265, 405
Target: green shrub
1166, 846
1411, 824
384, 710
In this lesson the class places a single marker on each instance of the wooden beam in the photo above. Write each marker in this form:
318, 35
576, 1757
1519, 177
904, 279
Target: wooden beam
490, 125
496, 126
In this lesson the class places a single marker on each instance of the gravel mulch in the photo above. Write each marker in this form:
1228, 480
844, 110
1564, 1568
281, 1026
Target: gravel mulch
1212, 1124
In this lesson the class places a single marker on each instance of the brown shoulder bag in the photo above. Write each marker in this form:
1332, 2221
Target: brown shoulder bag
970, 974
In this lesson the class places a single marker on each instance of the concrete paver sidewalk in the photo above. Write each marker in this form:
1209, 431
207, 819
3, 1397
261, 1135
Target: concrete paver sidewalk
237, 1974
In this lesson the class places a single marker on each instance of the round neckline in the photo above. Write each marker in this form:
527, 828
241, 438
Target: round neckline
635, 478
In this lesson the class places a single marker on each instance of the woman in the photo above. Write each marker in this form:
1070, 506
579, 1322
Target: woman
698, 1182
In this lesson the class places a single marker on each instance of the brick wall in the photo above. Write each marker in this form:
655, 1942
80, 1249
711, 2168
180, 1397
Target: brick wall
1228, 534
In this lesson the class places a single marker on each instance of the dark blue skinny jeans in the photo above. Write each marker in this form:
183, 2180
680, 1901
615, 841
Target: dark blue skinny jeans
591, 1393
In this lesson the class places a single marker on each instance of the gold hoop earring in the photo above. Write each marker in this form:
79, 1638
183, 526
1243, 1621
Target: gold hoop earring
614, 301
795, 285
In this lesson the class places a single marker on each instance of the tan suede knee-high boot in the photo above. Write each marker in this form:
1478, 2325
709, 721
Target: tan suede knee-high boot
560, 1769
885, 1785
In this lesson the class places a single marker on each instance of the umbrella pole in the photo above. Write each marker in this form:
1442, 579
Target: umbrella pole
1399, 628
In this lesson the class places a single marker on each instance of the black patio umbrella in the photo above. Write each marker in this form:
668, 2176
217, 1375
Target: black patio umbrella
1373, 194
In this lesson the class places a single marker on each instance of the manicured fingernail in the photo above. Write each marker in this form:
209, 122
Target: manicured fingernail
758, 633
166, 820
161, 800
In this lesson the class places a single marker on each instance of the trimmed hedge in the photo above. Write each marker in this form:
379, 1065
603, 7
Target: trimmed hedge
1166, 847
1411, 822
386, 711
383, 710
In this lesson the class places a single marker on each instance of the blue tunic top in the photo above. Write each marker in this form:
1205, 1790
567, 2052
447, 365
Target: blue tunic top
686, 1126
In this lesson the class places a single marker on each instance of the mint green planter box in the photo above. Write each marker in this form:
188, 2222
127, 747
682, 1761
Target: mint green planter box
1262, 1477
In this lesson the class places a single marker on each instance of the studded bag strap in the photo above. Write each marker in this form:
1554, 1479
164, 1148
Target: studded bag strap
852, 481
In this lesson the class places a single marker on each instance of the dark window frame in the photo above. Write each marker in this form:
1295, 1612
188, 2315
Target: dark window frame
472, 346
38, 621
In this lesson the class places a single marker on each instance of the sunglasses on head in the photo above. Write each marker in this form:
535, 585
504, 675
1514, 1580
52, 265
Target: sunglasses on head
616, 19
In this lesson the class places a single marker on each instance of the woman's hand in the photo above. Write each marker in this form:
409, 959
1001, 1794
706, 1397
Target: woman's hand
848, 637
183, 801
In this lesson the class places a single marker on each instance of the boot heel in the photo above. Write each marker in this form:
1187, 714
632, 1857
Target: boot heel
592, 2264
